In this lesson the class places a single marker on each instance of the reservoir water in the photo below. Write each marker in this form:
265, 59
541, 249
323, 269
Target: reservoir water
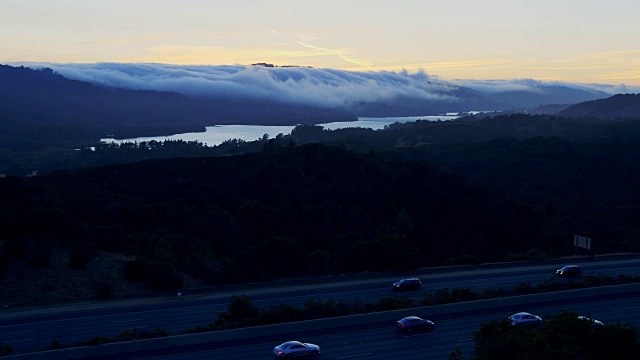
216, 135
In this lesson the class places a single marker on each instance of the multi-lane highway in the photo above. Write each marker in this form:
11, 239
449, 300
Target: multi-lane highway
33, 330
381, 340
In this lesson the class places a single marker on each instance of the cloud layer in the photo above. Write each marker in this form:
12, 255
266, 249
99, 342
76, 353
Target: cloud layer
298, 85
318, 87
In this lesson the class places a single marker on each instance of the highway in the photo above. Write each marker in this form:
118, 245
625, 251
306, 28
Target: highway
34, 330
381, 341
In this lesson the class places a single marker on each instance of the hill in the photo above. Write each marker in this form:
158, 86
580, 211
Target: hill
305, 210
621, 106
40, 109
421, 194
542, 95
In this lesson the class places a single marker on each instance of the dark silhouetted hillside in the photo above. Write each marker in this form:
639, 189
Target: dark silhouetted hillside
311, 210
379, 200
39, 109
549, 109
621, 106
545, 95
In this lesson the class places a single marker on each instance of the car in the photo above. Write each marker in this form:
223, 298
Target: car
594, 322
414, 323
411, 284
569, 270
291, 349
524, 318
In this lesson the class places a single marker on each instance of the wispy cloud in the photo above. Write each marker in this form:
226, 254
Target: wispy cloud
630, 55
361, 63
318, 87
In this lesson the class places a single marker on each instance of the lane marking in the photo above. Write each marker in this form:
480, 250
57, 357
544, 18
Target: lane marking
124, 321
106, 315
17, 341
314, 295
423, 334
627, 308
133, 328
19, 333
352, 356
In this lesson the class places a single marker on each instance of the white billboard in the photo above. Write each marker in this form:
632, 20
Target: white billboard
581, 241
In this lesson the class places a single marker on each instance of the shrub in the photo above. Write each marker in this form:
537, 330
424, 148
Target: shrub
135, 271
97, 340
104, 292
563, 336
492, 293
41, 258
79, 259
456, 355
156, 333
523, 288
239, 313
462, 260
315, 309
161, 276
533, 254
5, 350
16, 248
281, 313
393, 303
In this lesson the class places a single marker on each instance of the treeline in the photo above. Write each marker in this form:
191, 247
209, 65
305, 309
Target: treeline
304, 210
563, 336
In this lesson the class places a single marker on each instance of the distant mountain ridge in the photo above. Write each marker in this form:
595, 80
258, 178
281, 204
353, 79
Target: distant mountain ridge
43, 108
621, 106
370, 93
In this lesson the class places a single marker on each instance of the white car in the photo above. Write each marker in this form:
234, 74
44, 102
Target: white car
291, 349
594, 322
524, 318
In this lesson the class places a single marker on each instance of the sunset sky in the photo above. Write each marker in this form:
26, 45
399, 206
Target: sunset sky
585, 41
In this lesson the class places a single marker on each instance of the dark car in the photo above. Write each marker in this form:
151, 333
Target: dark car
569, 270
524, 318
291, 349
414, 323
411, 284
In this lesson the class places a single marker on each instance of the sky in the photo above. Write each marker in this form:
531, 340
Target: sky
580, 41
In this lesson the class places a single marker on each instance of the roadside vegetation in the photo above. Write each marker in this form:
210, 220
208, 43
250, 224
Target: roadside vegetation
241, 313
563, 336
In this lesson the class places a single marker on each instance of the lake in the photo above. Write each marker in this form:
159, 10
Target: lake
216, 135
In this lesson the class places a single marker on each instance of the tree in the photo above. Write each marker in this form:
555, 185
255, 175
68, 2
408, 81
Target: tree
563, 336
239, 311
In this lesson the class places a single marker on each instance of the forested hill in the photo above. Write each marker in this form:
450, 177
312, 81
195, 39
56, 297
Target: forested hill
621, 106
325, 209
39, 109
311, 209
